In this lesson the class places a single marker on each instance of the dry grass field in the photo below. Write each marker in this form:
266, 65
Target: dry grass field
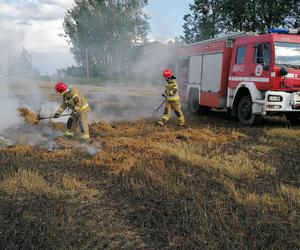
210, 185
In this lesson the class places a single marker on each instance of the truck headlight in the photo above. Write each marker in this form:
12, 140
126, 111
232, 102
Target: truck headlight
275, 98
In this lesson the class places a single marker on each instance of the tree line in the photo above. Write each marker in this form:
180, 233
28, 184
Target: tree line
210, 18
104, 33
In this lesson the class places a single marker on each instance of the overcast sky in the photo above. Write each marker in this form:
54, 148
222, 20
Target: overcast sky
35, 24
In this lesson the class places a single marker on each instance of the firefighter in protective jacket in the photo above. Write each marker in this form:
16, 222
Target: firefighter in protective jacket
173, 100
75, 101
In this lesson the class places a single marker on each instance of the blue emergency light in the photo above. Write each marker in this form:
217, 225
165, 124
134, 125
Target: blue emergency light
284, 31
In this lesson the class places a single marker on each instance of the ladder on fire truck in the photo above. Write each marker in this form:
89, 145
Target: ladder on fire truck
230, 36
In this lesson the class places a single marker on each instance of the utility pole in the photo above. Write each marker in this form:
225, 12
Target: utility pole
87, 64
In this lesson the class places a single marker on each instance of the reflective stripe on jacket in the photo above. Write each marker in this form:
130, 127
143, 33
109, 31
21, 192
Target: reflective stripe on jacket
172, 90
73, 100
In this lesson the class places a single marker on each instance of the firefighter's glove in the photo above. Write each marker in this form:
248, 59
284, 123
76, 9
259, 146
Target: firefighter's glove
74, 113
56, 115
163, 95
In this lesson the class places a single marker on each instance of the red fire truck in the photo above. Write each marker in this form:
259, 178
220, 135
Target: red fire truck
250, 75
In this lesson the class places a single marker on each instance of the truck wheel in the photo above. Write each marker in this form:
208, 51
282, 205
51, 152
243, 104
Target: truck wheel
293, 118
193, 102
244, 112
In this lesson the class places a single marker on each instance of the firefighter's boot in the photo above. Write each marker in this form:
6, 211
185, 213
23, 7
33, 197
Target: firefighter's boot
68, 134
166, 117
180, 124
85, 140
181, 121
85, 137
162, 122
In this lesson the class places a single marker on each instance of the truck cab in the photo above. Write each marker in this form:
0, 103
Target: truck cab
263, 78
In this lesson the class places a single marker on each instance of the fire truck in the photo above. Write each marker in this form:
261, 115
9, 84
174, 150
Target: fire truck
248, 74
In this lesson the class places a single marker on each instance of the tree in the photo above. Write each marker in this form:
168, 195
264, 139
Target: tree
256, 15
204, 21
210, 18
106, 30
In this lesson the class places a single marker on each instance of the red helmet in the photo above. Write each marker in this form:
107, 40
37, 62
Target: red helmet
61, 87
167, 73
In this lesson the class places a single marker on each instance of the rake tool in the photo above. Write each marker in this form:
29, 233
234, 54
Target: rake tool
39, 117
155, 114
32, 117
50, 117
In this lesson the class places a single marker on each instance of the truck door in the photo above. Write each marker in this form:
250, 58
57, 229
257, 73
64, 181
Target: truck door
260, 68
238, 69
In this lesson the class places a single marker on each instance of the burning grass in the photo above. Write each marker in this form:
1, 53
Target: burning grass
204, 186
29, 116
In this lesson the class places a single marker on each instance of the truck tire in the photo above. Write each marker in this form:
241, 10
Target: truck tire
193, 102
293, 118
244, 112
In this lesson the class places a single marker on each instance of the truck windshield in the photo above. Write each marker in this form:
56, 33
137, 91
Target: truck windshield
287, 54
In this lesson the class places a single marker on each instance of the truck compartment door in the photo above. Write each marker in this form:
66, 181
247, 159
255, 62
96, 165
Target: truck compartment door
211, 80
212, 72
195, 70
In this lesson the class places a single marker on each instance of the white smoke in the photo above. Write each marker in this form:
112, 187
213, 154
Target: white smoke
122, 103
152, 59
17, 90
8, 102
8, 107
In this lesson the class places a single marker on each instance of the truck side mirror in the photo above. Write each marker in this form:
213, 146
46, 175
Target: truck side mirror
283, 71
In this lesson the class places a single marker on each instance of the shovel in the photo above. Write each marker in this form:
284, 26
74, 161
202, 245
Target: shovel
155, 114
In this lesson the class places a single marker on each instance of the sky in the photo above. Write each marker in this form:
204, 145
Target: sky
36, 25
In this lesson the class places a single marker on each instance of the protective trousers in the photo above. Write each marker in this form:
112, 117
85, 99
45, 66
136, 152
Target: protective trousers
81, 120
173, 105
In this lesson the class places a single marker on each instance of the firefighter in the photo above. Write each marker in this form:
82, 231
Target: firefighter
173, 101
75, 101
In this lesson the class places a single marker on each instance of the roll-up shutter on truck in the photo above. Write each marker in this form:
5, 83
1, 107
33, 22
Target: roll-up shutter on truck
212, 72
